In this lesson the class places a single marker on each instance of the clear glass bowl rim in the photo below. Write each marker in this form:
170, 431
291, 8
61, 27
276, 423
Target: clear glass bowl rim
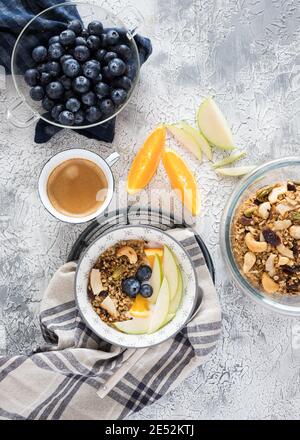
24, 99
225, 242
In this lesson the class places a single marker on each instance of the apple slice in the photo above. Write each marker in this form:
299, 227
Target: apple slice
174, 304
187, 140
214, 126
228, 160
170, 270
235, 171
199, 138
160, 310
169, 318
156, 279
135, 326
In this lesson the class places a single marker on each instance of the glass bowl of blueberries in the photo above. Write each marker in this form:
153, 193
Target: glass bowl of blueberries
74, 65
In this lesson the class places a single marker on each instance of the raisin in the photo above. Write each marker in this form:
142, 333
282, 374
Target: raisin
291, 270
295, 249
291, 187
245, 221
271, 237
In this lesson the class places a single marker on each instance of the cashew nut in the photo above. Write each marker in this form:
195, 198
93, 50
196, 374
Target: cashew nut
249, 261
95, 282
276, 192
282, 261
264, 210
286, 252
268, 284
295, 232
253, 245
129, 253
282, 208
109, 305
280, 225
270, 264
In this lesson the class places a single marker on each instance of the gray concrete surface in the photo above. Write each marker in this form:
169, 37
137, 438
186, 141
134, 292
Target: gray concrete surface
246, 53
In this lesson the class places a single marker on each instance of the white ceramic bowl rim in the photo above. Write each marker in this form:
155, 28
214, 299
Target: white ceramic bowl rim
110, 334
225, 228
61, 157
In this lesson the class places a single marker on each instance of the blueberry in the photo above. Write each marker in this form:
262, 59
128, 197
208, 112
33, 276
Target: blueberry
80, 41
131, 286
144, 273
73, 104
37, 93
93, 114
98, 78
66, 118
89, 99
109, 56
39, 54
106, 73
93, 42
55, 90
32, 77
117, 67
102, 90
85, 33
112, 37
53, 67
53, 40
55, 51
42, 67
79, 117
67, 95
95, 28
81, 53
71, 68
103, 38
45, 78
47, 103
56, 110
118, 96
65, 58
81, 84
107, 107
66, 82
67, 37
146, 290
123, 82
100, 54
123, 51
91, 69
75, 26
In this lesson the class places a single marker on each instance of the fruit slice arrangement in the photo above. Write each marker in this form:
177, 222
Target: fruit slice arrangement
213, 131
151, 314
146, 163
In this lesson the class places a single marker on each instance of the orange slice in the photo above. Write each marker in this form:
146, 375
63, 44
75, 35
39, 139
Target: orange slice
146, 161
140, 307
151, 252
182, 181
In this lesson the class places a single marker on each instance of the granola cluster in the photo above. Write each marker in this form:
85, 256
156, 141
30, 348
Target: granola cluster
266, 238
118, 262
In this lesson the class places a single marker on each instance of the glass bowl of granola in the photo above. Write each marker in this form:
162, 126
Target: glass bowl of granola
135, 286
260, 235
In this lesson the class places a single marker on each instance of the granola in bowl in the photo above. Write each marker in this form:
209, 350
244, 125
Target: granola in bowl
136, 287
266, 238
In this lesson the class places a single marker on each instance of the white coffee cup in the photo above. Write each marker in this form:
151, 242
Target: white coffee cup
104, 165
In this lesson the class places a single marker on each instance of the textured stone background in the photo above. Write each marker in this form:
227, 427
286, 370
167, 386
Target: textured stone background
246, 53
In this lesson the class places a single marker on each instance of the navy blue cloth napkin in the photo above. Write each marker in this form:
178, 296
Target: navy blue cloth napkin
14, 15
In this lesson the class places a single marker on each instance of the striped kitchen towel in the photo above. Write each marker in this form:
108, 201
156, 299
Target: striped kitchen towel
66, 378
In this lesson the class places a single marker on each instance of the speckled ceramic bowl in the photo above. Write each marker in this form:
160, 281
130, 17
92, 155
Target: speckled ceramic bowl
110, 334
